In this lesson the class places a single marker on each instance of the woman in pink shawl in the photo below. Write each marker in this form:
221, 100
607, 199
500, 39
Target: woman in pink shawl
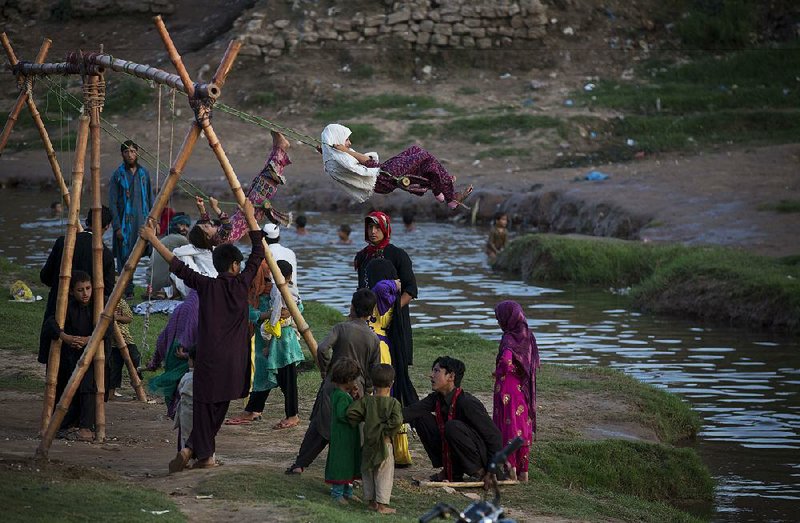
515, 384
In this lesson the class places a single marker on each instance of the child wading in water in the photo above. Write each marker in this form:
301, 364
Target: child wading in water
344, 455
515, 385
498, 236
382, 416
222, 366
360, 174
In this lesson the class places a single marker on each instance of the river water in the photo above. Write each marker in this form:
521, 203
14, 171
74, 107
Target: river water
745, 384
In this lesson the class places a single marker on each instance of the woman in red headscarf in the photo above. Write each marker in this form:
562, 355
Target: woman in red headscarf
515, 384
378, 233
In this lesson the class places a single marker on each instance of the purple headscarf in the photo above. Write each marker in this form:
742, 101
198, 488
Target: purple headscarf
518, 338
182, 325
386, 293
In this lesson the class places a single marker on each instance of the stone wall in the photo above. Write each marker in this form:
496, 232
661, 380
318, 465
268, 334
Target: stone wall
422, 25
18, 10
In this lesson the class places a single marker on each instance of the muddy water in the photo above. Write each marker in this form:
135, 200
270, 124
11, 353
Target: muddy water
746, 385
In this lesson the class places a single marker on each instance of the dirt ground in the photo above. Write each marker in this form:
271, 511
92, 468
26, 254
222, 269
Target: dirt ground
141, 442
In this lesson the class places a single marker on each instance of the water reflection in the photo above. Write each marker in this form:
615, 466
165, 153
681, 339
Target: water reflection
744, 384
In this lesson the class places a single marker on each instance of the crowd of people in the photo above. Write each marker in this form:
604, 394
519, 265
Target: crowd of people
232, 337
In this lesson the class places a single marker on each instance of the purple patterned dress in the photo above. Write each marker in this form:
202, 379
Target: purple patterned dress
511, 413
424, 170
263, 188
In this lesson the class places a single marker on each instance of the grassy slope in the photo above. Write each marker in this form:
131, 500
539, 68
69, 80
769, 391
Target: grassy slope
708, 282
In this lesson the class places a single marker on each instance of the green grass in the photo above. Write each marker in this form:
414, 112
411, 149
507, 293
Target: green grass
485, 129
124, 94
783, 206
721, 24
262, 99
21, 382
707, 282
49, 495
389, 105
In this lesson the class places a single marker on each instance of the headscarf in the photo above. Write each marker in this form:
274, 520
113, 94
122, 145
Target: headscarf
382, 220
178, 219
259, 285
518, 338
357, 180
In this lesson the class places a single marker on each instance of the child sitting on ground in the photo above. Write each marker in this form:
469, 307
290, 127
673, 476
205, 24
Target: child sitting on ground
498, 236
222, 365
382, 416
344, 455
184, 414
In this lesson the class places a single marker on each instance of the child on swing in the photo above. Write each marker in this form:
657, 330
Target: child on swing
360, 174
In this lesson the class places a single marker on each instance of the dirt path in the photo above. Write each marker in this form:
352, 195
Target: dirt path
141, 442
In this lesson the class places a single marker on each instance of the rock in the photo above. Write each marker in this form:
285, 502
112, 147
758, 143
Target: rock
517, 22
274, 53
426, 26
253, 26
443, 29
455, 41
250, 50
483, 43
450, 19
398, 16
278, 42
328, 34
478, 32
281, 24
440, 39
351, 35
467, 41
472, 22
311, 37
370, 31
342, 25
460, 29
423, 38
374, 20
259, 39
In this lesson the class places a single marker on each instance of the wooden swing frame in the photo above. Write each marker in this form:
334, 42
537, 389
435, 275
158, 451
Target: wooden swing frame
91, 67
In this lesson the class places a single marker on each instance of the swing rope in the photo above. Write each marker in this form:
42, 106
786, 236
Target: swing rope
119, 136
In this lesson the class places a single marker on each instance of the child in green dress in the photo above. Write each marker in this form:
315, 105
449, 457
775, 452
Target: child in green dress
382, 416
344, 455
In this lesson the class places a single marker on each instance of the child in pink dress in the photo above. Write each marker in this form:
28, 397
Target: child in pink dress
515, 384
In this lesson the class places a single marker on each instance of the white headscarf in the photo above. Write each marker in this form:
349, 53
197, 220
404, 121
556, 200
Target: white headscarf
355, 179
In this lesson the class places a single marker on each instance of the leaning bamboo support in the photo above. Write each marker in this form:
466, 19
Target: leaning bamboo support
175, 57
226, 63
93, 101
283, 287
65, 275
119, 289
24, 95
136, 382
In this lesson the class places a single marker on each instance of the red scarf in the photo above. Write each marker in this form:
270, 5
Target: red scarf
382, 221
447, 461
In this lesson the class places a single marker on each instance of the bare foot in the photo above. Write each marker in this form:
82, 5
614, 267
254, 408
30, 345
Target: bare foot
342, 501
110, 395
355, 499
372, 505
385, 509
207, 463
280, 141
523, 477
287, 423
180, 461
512, 474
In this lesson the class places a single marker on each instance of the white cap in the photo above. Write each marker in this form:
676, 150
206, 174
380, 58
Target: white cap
271, 231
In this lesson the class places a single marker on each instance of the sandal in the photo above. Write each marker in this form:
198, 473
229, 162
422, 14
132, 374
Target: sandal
459, 198
237, 421
180, 461
293, 471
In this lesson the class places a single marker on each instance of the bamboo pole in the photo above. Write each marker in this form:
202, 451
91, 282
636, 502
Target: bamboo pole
283, 287
226, 63
119, 289
65, 276
175, 57
93, 100
133, 372
24, 95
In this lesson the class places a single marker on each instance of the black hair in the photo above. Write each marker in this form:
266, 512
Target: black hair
55, 204
285, 267
500, 214
128, 144
345, 228
408, 217
192, 352
300, 221
344, 371
451, 366
79, 276
379, 269
224, 256
198, 237
363, 302
105, 217
382, 375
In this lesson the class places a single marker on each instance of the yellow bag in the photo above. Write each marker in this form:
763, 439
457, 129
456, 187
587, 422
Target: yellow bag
21, 292
402, 456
